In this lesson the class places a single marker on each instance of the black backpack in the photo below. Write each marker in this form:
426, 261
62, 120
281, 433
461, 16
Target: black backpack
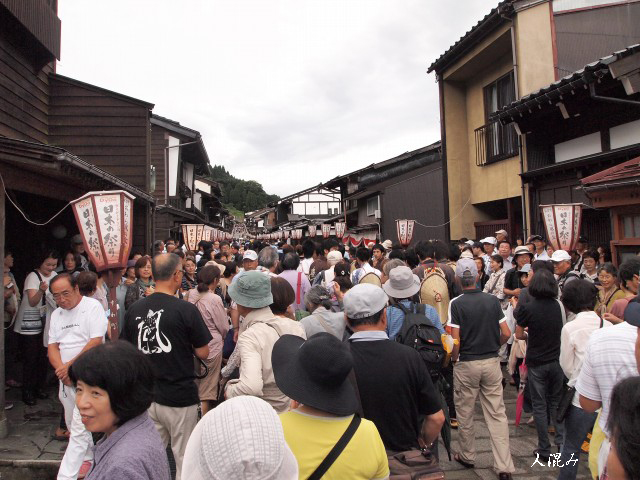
418, 333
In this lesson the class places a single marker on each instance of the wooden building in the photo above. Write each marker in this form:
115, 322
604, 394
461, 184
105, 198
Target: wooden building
407, 186
518, 48
108, 130
180, 152
40, 110
617, 189
573, 128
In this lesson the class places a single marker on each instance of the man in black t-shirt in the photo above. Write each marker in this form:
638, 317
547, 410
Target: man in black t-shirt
394, 384
479, 328
170, 331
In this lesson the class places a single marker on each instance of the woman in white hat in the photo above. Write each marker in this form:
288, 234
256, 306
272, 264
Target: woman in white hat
241, 439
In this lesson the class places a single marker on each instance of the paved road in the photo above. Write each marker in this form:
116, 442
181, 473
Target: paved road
31, 430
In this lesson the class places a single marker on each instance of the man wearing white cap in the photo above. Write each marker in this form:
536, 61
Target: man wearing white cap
489, 246
249, 260
394, 384
562, 268
501, 235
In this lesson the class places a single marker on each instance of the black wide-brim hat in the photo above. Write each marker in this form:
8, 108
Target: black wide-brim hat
315, 372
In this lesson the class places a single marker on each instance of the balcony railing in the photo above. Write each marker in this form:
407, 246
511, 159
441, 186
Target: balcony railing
495, 142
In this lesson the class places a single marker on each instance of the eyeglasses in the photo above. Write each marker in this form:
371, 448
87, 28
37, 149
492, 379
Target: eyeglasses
180, 271
65, 294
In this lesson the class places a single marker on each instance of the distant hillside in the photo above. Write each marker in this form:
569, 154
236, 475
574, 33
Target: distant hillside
243, 195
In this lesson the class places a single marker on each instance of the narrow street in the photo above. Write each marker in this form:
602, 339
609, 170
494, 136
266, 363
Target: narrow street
31, 453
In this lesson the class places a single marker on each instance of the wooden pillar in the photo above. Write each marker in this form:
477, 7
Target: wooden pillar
4, 430
511, 219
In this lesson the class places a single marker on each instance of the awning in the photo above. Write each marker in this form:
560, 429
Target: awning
53, 172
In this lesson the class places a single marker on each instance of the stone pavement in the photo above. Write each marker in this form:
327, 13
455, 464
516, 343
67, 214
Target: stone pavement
29, 452
522, 439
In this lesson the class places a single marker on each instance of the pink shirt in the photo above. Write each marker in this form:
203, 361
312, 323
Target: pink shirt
214, 315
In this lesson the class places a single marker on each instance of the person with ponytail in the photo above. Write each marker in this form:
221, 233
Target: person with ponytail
215, 318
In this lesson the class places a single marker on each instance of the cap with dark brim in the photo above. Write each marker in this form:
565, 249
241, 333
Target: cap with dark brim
294, 379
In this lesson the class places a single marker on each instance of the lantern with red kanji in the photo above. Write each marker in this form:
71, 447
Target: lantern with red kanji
192, 234
326, 230
340, 229
405, 231
105, 223
562, 223
312, 231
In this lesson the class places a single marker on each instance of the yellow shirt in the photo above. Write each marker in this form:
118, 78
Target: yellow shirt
311, 438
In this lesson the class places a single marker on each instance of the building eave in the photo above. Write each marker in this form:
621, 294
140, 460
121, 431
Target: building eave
491, 21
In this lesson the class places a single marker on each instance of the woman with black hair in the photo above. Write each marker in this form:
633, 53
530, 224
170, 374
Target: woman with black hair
298, 280
72, 263
543, 318
32, 323
189, 280
578, 297
144, 284
213, 313
483, 278
114, 388
341, 285
610, 291
495, 284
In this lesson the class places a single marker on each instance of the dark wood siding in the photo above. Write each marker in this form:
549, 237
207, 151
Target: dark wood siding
106, 131
24, 95
40, 19
418, 197
587, 35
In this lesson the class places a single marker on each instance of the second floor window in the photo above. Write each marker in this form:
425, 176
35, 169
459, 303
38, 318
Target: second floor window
372, 206
494, 141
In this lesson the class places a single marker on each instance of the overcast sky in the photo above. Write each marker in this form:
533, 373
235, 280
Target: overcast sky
289, 93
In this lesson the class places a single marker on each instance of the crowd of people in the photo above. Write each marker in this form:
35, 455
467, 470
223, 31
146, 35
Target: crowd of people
272, 361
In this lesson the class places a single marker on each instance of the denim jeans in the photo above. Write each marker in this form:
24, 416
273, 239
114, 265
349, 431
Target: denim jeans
545, 382
577, 424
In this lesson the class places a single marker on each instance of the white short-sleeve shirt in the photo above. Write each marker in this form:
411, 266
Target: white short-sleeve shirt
609, 358
72, 329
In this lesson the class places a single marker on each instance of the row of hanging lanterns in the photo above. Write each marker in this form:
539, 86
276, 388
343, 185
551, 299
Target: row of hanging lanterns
105, 222
296, 233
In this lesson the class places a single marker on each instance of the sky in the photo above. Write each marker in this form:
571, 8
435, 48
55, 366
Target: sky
290, 93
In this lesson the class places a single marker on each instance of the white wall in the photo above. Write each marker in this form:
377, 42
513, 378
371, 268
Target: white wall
625, 134
173, 155
578, 147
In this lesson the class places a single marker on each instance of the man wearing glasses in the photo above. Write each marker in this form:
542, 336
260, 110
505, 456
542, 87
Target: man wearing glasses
77, 325
170, 331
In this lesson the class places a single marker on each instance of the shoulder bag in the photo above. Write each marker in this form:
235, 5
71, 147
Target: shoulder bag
337, 449
415, 464
567, 396
33, 318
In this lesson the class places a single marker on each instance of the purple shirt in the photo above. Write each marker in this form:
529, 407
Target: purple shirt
134, 451
292, 277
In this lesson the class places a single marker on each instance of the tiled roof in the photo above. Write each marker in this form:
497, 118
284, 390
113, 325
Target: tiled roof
576, 79
485, 25
623, 171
